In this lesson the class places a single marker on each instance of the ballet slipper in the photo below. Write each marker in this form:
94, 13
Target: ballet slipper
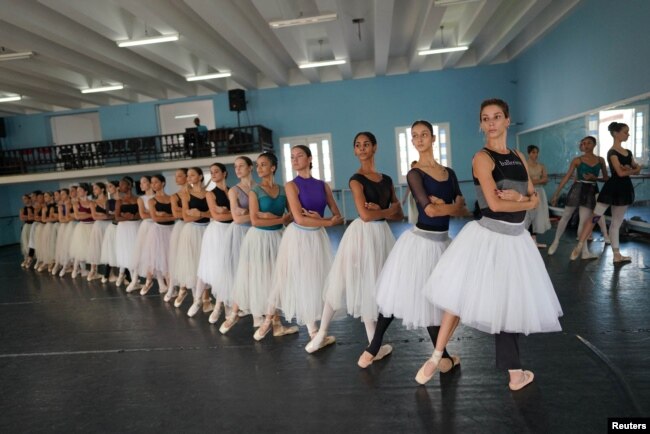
262, 331
229, 323
618, 258
528, 378
315, 344
147, 286
216, 313
553, 248
365, 360
541, 246
385, 350
447, 364
421, 377
281, 330
180, 297
576, 252
207, 306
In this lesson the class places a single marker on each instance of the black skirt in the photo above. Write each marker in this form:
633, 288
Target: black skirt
617, 191
582, 194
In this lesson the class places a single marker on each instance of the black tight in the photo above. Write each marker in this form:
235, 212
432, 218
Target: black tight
382, 326
31, 253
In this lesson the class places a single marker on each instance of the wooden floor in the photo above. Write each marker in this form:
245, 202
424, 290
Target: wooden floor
85, 357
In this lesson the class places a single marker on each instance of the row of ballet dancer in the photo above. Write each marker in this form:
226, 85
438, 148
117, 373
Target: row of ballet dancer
261, 248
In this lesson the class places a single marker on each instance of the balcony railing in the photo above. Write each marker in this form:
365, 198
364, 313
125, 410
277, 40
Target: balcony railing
137, 150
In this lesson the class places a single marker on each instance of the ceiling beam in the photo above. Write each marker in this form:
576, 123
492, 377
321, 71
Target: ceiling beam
336, 35
207, 45
50, 24
479, 14
502, 31
14, 36
429, 20
383, 24
228, 20
542, 24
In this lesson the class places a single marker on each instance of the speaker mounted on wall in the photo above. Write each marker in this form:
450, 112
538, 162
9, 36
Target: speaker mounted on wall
237, 100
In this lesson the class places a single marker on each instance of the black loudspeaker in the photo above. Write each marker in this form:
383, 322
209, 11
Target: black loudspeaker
237, 100
3, 131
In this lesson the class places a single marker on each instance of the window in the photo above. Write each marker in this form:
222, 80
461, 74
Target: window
635, 117
321, 153
406, 152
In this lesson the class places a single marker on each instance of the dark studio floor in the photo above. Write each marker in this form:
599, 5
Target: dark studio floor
79, 356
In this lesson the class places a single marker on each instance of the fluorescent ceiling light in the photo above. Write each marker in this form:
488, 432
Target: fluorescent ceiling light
302, 21
208, 76
442, 50
16, 56
452, 2
103, 89
148, 40
11, 98
193, 115
319, 64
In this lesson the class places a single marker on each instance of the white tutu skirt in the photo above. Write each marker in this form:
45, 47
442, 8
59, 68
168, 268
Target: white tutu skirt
173, 251
154, 258
539, 216
32, 235
255, 270
37, 240
125, 236
80, 241
302, 264
24, 238
226, 260
48, 242
352, 280
409, 265
213, 242
495, 283
108, 255
189, 250
94, 251
63, 243
140, 247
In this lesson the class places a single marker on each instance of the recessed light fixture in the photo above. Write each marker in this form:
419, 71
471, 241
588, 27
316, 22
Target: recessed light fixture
16, 56
442, 50
193, 115
103, 88
208, 76
301, 21
149, 40
10, 98
323, 63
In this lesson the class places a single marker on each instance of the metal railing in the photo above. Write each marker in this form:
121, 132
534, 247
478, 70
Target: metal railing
137, 150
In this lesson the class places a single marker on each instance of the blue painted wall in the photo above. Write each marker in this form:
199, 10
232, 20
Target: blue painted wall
596, 56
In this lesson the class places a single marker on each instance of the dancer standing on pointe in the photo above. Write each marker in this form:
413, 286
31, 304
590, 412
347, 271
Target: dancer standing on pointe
211, 264
364, 247
177, 211
583, 192
108, 256
81, 235
143, 233
492, 276
27, 218
228, 256
128, 221
99, 211
618, 192
399, 286
197, 216
155, 252
540, 221
257, 258
305, 255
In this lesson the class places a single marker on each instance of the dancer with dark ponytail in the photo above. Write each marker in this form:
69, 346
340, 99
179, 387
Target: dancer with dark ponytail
410, 263
617, 193
108, 256
172, 255
81, 235
102, 219
128, 222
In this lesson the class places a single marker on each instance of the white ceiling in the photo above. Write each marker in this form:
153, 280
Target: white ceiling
74, 42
